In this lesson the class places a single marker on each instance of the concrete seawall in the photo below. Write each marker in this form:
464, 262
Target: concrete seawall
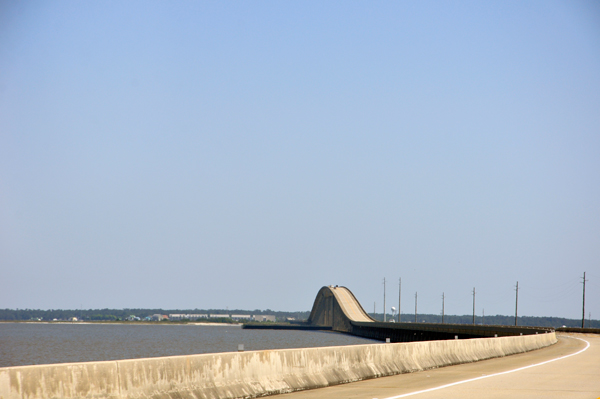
250, 374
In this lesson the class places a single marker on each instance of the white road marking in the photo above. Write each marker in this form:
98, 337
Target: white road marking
492, 375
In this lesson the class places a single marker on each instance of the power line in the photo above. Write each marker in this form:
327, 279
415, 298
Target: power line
559, 292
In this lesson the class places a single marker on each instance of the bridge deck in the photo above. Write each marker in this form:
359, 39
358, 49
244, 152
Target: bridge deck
350, 305
337, 308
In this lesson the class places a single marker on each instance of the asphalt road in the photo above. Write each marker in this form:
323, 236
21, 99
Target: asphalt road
518, 376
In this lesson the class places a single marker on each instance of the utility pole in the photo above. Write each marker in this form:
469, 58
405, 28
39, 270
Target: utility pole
443, 300
473, 305
517, 304
399, 297
583, 317
384, 299
482, 316
415, 307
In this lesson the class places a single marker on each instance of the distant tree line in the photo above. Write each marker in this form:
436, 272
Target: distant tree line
123, 314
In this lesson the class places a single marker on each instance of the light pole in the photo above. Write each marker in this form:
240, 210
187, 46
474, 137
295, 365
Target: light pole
384, 299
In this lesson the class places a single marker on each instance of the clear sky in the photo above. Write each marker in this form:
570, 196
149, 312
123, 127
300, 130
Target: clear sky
244, 154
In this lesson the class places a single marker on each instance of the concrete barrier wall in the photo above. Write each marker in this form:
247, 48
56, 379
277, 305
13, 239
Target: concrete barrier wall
250, 374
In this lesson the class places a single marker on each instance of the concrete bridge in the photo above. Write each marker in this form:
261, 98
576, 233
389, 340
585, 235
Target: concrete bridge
259, 373
336, 308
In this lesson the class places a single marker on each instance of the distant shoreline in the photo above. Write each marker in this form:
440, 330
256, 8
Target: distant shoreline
133, 323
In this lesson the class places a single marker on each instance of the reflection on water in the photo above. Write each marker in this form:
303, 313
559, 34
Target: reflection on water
28, 343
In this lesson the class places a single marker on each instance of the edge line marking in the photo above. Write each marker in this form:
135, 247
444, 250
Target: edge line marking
492, 375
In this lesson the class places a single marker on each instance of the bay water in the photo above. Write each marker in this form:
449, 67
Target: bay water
45, 343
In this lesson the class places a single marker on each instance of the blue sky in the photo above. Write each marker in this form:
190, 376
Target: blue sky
244, 154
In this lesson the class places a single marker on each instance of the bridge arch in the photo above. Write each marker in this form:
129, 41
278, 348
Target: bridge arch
337, 307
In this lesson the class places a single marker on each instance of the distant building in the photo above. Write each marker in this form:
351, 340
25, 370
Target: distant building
219, 316
159, 317
238, 317
263, 317
133, 318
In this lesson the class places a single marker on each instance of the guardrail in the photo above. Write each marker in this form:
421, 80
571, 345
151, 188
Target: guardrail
250, 374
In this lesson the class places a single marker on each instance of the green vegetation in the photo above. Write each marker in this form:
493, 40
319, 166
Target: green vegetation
216, 320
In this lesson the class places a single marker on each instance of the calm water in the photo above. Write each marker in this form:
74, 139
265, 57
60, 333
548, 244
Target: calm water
26, 343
